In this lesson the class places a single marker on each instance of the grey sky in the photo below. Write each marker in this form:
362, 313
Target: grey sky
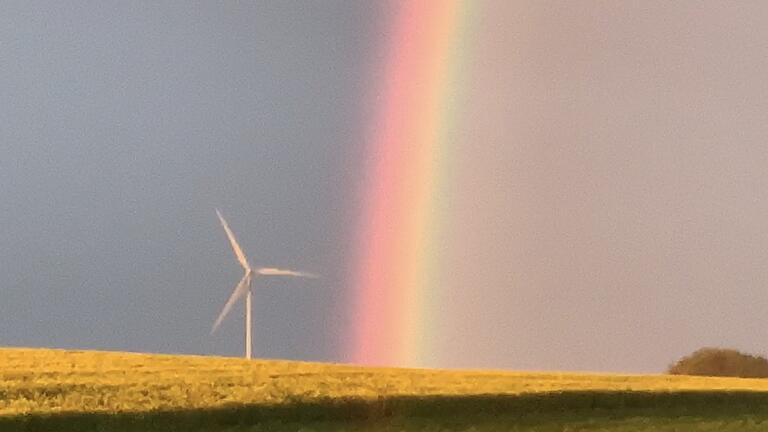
124, 124
618, 155
623, 212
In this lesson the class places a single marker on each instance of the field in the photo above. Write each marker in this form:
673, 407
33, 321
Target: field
60, 390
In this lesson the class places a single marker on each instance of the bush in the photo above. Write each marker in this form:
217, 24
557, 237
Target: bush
721, 362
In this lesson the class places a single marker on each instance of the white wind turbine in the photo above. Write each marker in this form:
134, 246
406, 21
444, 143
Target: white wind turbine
244, 287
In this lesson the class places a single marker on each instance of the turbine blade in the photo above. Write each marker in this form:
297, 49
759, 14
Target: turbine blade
241, 288
235, 247
271, 271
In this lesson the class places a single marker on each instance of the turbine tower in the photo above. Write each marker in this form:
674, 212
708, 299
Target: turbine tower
244, 286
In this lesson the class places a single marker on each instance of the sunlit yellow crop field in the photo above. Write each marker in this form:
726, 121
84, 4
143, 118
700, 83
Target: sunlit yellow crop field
49, 383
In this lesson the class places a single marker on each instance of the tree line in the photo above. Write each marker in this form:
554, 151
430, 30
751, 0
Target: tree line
721, 362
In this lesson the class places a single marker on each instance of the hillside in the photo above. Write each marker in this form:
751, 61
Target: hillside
51, 387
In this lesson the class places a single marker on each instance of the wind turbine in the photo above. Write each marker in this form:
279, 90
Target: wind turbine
244, 286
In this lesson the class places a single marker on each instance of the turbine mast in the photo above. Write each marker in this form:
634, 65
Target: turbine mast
248, 323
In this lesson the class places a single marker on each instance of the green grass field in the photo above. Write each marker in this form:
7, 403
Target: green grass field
45, 390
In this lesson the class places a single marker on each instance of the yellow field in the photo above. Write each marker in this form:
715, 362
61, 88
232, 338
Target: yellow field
39, 381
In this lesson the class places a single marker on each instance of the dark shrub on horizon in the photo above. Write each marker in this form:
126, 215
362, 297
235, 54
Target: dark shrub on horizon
721, 362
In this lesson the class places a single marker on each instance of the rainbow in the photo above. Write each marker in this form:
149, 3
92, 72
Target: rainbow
405, 207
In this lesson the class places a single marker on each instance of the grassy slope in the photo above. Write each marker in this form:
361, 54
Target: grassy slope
53, 389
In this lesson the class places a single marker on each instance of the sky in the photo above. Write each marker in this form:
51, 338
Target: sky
610, 183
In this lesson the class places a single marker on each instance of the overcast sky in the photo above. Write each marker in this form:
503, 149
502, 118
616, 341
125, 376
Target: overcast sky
125, 124
621, 220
